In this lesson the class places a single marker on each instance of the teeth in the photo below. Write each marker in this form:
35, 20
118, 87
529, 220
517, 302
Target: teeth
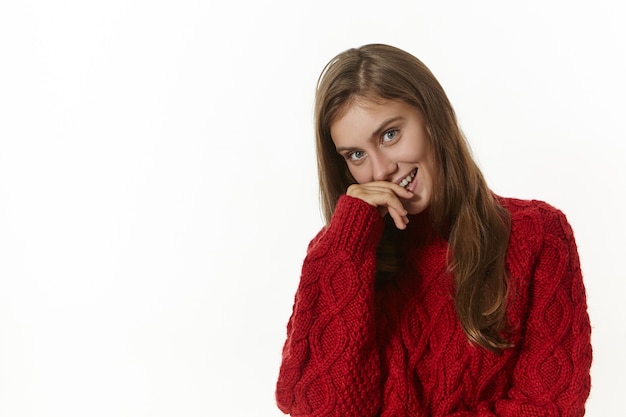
408, 179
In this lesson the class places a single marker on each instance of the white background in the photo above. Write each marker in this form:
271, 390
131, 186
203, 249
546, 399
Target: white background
158, 185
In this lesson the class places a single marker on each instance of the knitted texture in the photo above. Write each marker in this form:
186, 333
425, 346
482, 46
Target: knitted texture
397, 348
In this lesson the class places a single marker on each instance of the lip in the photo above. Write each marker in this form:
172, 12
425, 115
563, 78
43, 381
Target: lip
413, 182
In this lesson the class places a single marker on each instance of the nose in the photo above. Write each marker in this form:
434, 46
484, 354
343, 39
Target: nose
382, 166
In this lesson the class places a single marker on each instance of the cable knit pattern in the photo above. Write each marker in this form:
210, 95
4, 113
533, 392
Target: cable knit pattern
397, 349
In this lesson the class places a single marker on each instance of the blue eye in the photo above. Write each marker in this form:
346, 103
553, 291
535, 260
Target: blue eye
356, 155
390, 135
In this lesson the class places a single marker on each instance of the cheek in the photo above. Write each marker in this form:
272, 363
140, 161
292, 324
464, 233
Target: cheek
361, 179
359, 175
409, 152
428, 179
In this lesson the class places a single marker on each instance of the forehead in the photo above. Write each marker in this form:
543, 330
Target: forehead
361, 118
359, 103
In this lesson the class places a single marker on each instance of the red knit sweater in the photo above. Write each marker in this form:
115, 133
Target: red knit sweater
397, 349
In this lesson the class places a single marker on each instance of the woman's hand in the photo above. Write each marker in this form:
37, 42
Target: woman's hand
386, 197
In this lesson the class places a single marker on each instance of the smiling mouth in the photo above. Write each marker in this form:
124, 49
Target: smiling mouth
406, 181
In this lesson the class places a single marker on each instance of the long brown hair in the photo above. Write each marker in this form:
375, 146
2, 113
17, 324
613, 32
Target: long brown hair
462, 207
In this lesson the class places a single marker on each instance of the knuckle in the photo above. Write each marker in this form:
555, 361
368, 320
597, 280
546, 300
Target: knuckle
353, 189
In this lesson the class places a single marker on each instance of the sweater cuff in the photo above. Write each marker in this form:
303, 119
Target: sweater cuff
356, 226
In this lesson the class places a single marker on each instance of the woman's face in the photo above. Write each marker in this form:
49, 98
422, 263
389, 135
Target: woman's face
386, 140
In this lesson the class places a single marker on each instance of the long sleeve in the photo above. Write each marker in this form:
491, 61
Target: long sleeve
552, 374
408, 355
330, 364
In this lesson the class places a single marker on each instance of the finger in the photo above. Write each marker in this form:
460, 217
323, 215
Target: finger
383, 210
400, 220
392, 201
380, 194
400, 191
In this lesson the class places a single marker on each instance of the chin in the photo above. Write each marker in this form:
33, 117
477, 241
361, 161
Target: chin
415, 205
415, 208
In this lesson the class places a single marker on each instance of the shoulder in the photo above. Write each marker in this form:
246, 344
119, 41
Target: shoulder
535, 224
537, 213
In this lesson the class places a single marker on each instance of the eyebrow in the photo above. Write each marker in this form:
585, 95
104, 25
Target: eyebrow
381, 128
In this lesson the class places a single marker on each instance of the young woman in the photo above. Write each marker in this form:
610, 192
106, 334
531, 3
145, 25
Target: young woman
426, 294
